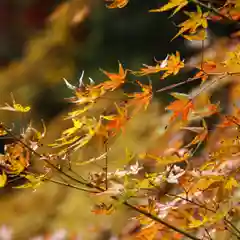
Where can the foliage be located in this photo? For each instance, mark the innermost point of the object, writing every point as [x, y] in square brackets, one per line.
[185, 196]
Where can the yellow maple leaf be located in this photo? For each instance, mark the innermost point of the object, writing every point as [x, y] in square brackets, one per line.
[195, 223]
[2, 131]
[199, 36]
[77, 124]
[233, 57]
[16, 107]
[231, 183]
[3, 179]
[178, 4]
[196, 20]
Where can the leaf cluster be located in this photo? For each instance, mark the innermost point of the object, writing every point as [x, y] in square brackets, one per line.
[185, 195]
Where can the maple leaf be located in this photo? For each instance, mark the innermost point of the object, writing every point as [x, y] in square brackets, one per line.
[33, 181]
[116, 79]
[231, 183]
[18, 157]
[172, 64]
[103, 209]
[148, 232]
[77, 124]
[195, 223]
[2, 131]
[178, 4]
[16, 107]
[196, 20]
[117, 121]
[207, 110]
[180, 107]
[147, 70]
[117, 3]
[208, 65]
[3, 179]
[199, 36]
[141, 99]
[233, 58]
[89, 126]
[201, 136]
[85, 96]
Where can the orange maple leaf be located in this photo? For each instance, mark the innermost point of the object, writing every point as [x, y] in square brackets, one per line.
[180, 107]
[117, 3]
[201, 74]
[172, 64]
[148, 70]
[141, 99]
[117, 122]
[196, 20]
[116, 79]
[208, 66]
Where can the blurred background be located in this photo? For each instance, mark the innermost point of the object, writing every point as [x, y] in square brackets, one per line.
[44, 41]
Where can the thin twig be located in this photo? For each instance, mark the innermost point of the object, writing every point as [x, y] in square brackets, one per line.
[70, 185]
[106, 163]
[208, 234]
[177, 84]
[233, 226]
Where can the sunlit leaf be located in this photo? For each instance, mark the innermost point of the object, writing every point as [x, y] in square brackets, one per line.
[3, 179]
[116, 79]
[178, 4]
[16, 107]
[142, 99]
[231, 183]
[199, 36]
[172, 66]
[196, 20]
[117, 122]
[33, 181]
[195, 223]
[69, 85]
[2, 131]
[180, 108]
[103, 209]
[77, 124]
[117, 3]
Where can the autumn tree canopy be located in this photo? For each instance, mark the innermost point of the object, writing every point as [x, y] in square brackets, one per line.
[183, 182]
